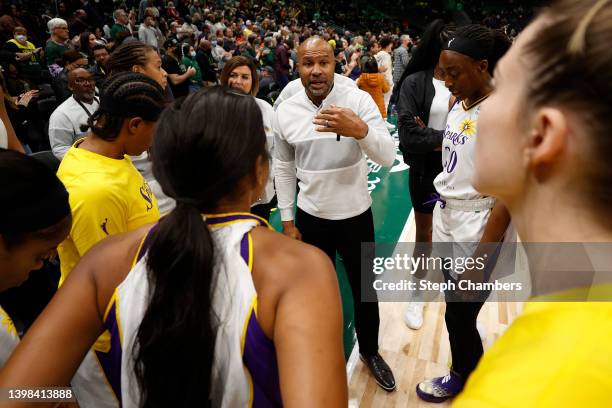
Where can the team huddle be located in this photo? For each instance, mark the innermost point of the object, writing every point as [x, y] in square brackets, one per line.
[202, 303]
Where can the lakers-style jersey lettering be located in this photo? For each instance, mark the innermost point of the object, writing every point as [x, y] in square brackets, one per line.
[455, 180]
[107, 196]
[245, 371]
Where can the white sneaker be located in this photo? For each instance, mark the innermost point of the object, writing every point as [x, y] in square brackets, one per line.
[482, 330]
[414, 315]
[390, 126]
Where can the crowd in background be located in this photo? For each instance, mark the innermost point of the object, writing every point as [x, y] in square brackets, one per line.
[44, 41]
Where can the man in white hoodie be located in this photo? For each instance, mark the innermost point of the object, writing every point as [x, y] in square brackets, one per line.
[322, 134]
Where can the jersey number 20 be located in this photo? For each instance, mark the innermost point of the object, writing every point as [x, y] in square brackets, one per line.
[451, 163]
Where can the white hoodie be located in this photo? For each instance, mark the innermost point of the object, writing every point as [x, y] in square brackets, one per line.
[332, 175]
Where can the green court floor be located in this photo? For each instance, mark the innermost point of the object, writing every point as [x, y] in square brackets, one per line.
[391, 207]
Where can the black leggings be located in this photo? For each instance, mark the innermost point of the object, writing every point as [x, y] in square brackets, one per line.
[463, 336]
[345, 237]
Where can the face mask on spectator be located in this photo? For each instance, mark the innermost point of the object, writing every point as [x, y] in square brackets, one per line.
[193, 54]
[21, 38]
[213, 43]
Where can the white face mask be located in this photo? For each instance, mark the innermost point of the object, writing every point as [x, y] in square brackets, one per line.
[193, 54]
[21, 38]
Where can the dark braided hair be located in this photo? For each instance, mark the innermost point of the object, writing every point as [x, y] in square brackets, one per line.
[132, 91]
[494, 42]
[124, 57]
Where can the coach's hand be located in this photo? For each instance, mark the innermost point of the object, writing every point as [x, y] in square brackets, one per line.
[342, 121]
[290, 230]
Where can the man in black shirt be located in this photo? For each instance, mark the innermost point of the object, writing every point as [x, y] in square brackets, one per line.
[178, 74]
[99, 68]
[206, 62]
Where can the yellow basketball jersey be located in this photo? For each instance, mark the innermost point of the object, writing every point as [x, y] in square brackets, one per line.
[107, 196]
[556, 354]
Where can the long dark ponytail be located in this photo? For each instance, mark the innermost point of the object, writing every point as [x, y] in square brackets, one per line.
[201, 154]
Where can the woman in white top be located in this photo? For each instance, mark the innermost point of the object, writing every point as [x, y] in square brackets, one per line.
[463, 216]
[423, 104]
[240, 73]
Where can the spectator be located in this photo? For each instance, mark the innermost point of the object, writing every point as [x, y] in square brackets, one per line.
[267, 84]
[142, 8]
[353, 69]
[66, 121]
[93, 18]
[188, 28]
[340, 61]
[371, 50]
[218, 53]
[78, 23]
[72, 59]
[195, 8]
[281, 64]
[229, 41]
[56, 46]
[148, 33]
[98, 70]
[189, 60]
[248, 30]
[250, 48]
[87, 42]
[178, 74]
[121, 23]
[171, 11]
[383, 58]
[401, 57]
[26, 55]
[206, 62]
[100, 36]
[374, 83]
[267, 57]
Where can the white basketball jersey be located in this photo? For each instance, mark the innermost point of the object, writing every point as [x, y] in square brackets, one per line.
[455, 180]
[244, 371]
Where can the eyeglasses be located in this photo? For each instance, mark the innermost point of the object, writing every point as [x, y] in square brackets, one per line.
[84, 81]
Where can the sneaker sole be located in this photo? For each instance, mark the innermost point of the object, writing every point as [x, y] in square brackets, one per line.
[430, 398]
[375, 379]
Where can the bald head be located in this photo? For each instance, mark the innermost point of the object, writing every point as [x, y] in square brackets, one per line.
[316, 66]
[317, 44]
[81, 84]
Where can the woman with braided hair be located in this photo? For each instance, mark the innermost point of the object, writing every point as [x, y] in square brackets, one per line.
[140, 58]
[466, 224]
[107, 194]
[144, 59]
